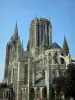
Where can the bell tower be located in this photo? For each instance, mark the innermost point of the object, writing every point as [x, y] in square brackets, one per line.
[39, 28]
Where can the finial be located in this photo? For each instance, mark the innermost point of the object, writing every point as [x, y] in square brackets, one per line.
[36, 16]
[16, 21]
[49, 18]
[22, 43]
[64, 36]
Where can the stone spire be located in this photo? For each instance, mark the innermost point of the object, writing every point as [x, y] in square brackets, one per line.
[15, 35]
[28, 46]
[36, 16]
[22, 43]
[65, 46]
[19, 43]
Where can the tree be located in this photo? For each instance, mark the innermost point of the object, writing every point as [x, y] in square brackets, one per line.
[66, 83]
[69, 83]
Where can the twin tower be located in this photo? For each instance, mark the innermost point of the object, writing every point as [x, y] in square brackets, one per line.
[40, 35]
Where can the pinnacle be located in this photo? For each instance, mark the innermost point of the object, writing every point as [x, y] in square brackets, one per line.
[16, 31]
[65, 46]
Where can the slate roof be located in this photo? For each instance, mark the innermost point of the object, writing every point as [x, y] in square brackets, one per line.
[54, 46]
[40, 82]
[27, 54]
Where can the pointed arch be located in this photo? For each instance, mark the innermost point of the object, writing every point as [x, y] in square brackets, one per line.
[56, 58]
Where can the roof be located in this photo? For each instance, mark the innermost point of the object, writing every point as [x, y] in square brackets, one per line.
[54, 46]
[40, 82]
[27, 54]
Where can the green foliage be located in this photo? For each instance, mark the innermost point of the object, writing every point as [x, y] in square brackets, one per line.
[66, 84]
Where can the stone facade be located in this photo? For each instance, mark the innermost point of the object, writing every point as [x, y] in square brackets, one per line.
[31, 73]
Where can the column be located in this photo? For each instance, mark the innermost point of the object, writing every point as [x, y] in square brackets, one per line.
[41, 92]
[22, 93]
[52, 58]
[35, 35]
[55, 95]
[34, 76]
[25, 93]
[50, 35]
[46, 30]
[48, 79]
[3, 95]
[29, 77]
[11, 75]
[10, 95]
[36, 93]
[59, 61]
[40, 33]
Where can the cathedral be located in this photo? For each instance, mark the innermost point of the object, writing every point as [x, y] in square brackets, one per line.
[30, 74]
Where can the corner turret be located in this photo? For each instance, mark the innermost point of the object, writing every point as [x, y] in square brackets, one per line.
[65, 47]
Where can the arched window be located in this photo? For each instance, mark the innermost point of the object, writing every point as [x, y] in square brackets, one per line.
[54, 73]
[50, 59]
[56, 58]
[62, 60]
[7, 94]
[62, 54]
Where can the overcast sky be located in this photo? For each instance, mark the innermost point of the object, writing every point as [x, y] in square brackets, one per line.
[61, 13]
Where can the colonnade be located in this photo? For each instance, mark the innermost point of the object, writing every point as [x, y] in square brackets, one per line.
[7, 95]
[36, 93]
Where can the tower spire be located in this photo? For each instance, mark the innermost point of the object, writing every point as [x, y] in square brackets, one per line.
[49, 18]
[65, 46]
[36, 16]
[22, 43]
[15, 35]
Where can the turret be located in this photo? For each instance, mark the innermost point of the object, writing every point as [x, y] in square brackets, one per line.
[15, 35]
[20, 50]
[65, 47]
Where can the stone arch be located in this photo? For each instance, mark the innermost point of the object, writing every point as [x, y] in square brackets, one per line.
[32, 93]
[44, 92]
[62, 61]
[38, 93]
[56, 58]
[54, 73]
[62, 54]
[49, 57]
[7, 94]
[43, 73]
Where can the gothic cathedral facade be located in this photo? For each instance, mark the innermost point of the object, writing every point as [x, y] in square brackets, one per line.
[30, 74]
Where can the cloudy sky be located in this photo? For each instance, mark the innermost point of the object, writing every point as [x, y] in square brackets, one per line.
[61, 13]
